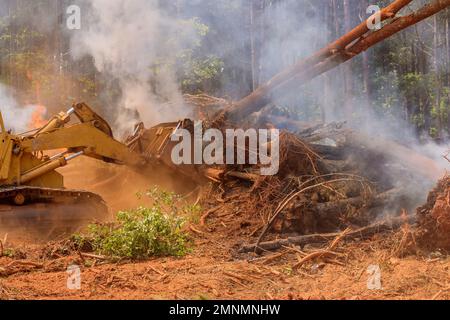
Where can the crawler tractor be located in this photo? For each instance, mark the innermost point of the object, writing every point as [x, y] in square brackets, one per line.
[32, 194]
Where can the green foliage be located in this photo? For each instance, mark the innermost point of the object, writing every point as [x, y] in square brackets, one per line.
[405, 77]
[144, 232]
[192, 65]
[14, 253]
[196, 71]
[10, 253]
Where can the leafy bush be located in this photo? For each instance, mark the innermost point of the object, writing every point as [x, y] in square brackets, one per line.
[144, 232]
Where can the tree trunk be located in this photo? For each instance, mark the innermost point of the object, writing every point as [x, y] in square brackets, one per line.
[252, 43]
[348, 94]
[438, 77]
[366, 71]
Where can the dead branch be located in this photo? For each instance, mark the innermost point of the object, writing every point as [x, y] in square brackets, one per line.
[243, 175]
[362, 233]
[271, 258]
[93, 256]
[24, 263]
[338, 239]
[157, 271]
[312, 256]
[193, 229]
[291, 197]
[206, 215]
[325, 252]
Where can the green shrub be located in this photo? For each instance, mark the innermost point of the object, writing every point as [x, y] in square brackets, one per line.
[144, 232]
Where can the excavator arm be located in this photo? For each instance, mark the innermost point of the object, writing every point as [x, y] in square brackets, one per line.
[83, 137]
[29, 178]
[92, 136]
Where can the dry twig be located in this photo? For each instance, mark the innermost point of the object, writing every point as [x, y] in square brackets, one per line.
[325, 252]
[93, 256]
[209, 212]
[193, 229]
[24, 263]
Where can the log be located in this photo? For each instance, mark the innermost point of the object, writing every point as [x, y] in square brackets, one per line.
[362, 233]
[398, 153]
[350, 140]
[334, 166]
[333, 208]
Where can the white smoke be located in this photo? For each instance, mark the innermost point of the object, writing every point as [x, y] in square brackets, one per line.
[136, 43]
[14, 117]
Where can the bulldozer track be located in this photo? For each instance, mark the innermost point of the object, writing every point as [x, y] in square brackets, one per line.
[49, 213]
[47, 194]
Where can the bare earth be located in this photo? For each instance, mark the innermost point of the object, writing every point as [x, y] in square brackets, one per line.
[212, 273]
[214, 269]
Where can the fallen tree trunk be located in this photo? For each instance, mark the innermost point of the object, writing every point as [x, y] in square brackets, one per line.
[351, 44]
[351, 140]
[333, 208]
[305, 217]
[362, 233]
[407, 157]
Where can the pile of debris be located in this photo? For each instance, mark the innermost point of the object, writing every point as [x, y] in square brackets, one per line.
[330, 179]
[354, 179]
[434, 218]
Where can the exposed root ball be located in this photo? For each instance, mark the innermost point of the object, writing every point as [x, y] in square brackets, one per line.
[296, 157]
[434, 218]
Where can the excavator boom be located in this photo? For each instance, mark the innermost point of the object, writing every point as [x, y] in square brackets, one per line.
[91, 136]
[32, 193]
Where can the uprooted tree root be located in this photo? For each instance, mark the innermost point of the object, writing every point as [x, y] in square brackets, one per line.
[433, 230]
[304, 198]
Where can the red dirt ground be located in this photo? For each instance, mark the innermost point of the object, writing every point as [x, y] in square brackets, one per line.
[214, 270]
[211, 272]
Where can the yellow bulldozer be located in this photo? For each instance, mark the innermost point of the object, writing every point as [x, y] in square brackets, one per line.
[32, 194]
